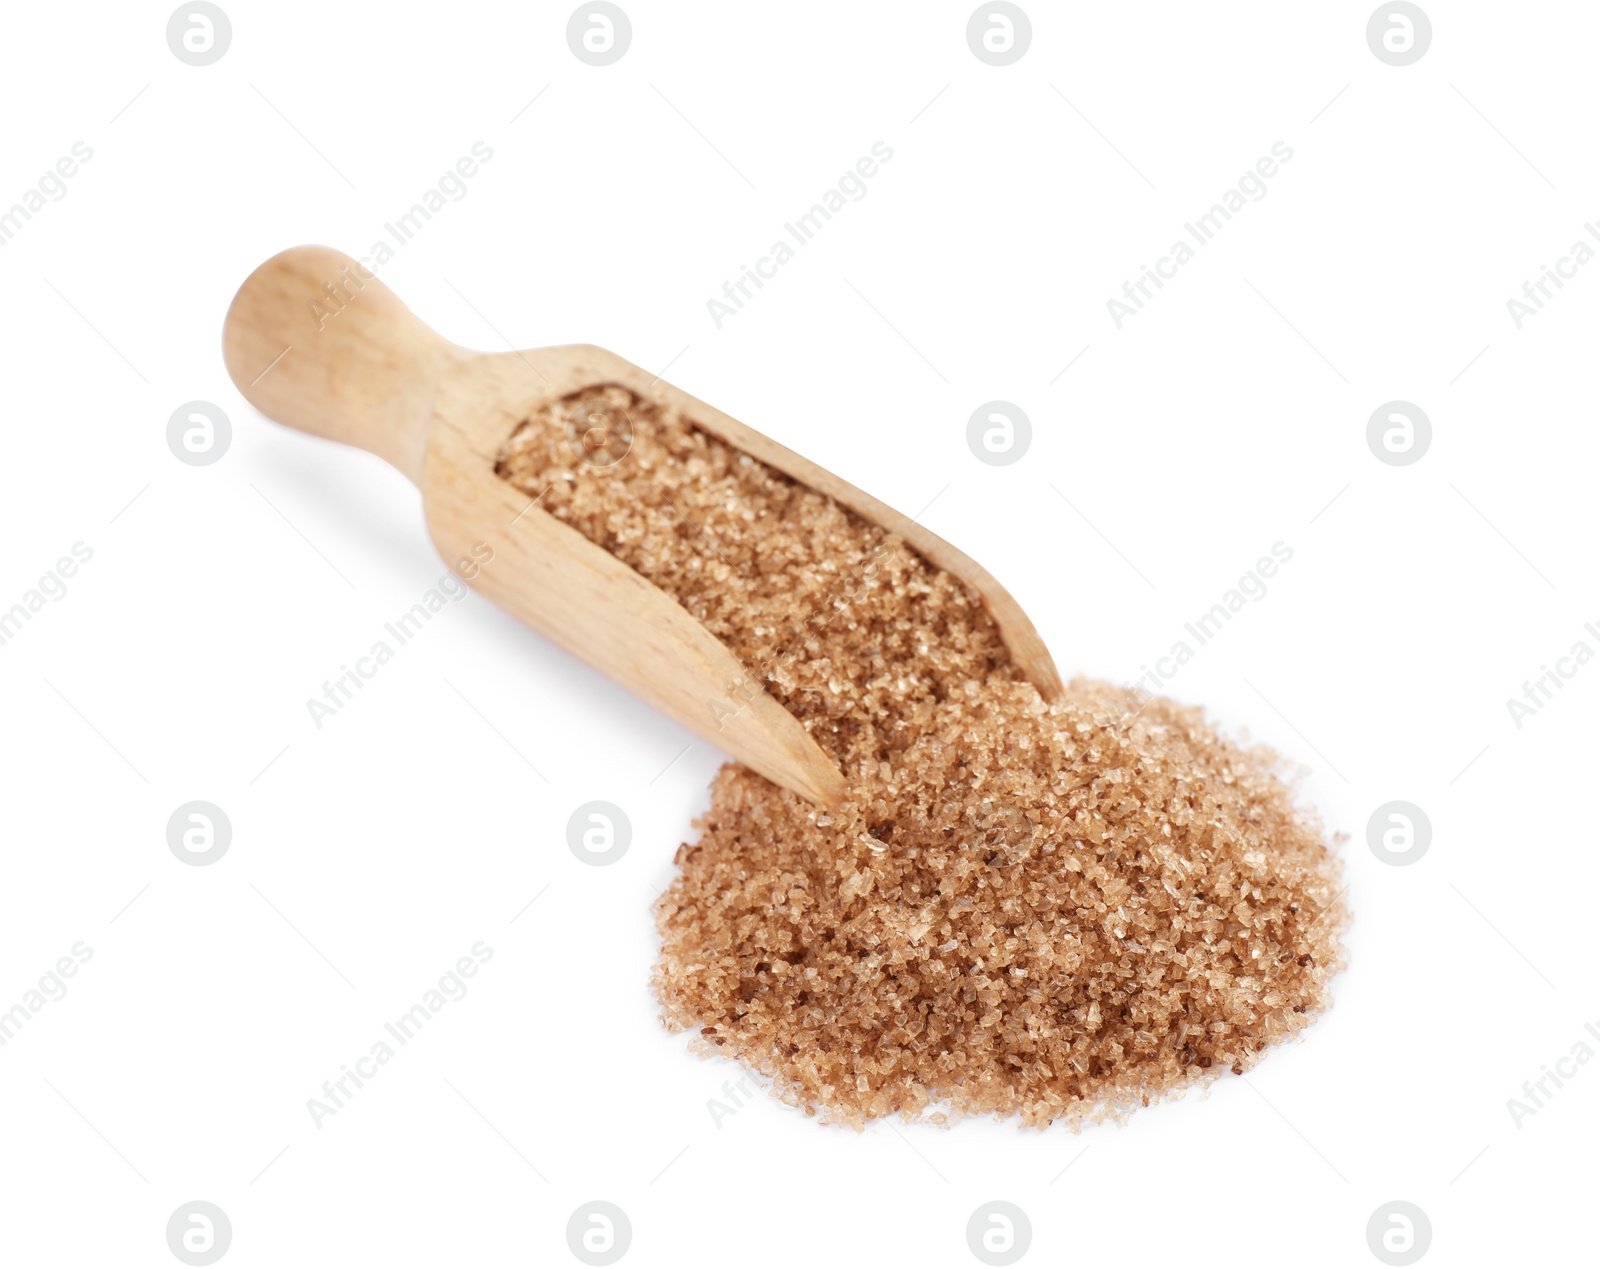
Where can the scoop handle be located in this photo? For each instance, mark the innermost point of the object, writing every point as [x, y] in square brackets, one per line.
[314, 340]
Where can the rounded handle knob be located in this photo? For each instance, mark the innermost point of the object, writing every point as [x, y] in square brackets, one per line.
[315, 341]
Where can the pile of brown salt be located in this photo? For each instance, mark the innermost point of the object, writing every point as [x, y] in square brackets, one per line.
[1050, 911]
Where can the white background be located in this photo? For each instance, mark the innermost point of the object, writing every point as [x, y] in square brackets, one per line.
[1230, 414]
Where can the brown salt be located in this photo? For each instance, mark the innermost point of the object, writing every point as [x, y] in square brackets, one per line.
[1020, 909]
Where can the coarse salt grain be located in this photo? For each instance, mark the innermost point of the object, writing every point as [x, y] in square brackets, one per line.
[1065, 985]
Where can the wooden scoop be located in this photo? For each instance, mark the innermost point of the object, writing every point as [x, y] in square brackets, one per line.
[315, 341]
